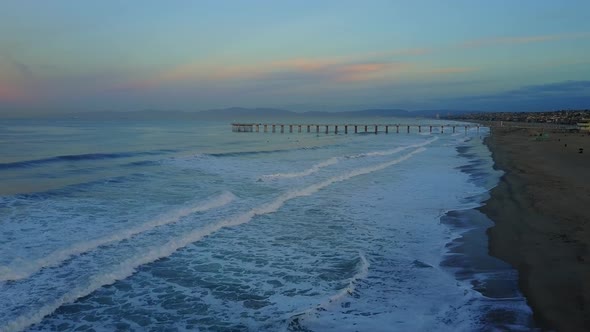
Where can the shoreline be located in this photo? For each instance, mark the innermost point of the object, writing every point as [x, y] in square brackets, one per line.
[540, 209]
[502, 305]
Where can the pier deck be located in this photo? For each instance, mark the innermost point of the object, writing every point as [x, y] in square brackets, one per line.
[348, 128]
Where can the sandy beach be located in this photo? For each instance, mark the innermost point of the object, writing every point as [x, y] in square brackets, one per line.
[541, 211]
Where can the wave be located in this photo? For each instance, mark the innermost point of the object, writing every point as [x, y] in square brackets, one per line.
[24, 270]
[80, 157]
[313, 169]
[128, 267]
[71, 189]
[142, 163]
[256, 152]
[297, 319]
[334, 160]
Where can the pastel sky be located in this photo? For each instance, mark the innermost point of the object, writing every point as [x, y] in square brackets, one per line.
[65, 56]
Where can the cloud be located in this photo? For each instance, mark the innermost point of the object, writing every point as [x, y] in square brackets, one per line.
[16, 69]
[14, 77]
[562, 89]
[348, 76]
[449, 70]
[24, 70]
[342, 72]
[344, 68]
[557, 95]
[521, 40]
[352, 67]
[9, 93]
[298, 70]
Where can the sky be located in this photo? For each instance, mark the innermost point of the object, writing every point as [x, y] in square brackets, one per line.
[76, 56]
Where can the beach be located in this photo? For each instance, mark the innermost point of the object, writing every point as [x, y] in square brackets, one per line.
[542, 221]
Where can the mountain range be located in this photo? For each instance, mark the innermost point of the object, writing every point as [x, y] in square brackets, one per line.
[258, 114]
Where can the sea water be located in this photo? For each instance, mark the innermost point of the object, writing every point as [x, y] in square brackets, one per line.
[176, 226]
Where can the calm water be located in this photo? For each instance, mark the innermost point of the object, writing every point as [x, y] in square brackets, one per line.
[188, 226]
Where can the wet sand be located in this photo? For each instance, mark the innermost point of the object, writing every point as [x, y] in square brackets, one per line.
[541, 211]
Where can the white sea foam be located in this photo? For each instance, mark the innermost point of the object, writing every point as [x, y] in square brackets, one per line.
[129, 266]
[340, 297]
[313, 169]
[334, 160]
[25, 269]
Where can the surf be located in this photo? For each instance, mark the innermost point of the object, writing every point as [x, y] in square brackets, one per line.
[128, 267]
[22, 270]
[335, 160]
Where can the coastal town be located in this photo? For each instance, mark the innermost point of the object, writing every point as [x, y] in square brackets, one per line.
[563, 117]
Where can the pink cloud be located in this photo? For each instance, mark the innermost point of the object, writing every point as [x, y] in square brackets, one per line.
[304, 64]
[9, 93]
[348, 67]
[371, 71]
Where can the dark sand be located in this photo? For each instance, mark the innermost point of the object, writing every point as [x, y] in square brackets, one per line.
[541, 211]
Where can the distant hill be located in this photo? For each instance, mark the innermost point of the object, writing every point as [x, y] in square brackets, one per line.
[384, 113]
[239, 112]
[253, 114]
[262, 113]
[361, 113]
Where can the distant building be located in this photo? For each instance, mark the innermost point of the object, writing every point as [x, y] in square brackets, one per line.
[584, 125]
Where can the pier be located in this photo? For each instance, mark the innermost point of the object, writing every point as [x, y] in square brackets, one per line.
[349, 128]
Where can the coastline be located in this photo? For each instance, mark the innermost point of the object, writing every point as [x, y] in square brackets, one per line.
[540, 210]
[501, 306]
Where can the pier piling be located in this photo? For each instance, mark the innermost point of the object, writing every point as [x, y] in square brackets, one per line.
[256, 127]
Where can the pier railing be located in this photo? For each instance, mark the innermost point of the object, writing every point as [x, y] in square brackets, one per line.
[348, 128]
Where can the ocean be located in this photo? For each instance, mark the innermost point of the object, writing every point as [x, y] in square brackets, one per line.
[182, 226]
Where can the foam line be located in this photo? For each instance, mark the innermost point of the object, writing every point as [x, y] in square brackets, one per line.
[334, 160]
[26, 269]
[362, 273]
[396, 150]
[338, 298]
[313, 169]
[128, 267]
